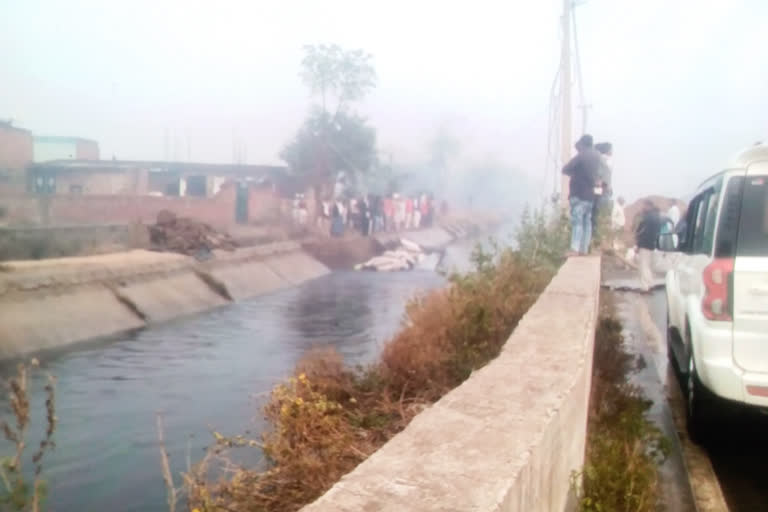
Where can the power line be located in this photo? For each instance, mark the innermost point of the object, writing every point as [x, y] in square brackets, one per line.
[560, 108]
[579, 77]
[550, 160]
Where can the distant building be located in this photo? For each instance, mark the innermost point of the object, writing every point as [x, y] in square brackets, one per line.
[15, 155]
[47, 148]
[125, 177]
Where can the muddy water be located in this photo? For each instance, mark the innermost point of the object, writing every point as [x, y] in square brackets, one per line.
[208, 371]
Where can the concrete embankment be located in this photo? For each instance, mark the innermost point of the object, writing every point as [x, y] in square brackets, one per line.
[47, 304]
[510, 436]
[51, 303]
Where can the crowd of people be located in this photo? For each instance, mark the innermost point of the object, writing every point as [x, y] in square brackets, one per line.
[591, 197]
[371, 214]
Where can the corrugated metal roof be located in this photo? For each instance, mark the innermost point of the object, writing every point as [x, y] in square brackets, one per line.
[155, 166]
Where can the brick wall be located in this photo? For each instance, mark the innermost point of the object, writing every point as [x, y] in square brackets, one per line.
[87, 150]
[19, 210]
[218, 210]
[99, 183]
[93, 209]
[68, 210]
[15, 148]
[263, 204]
[64, 210]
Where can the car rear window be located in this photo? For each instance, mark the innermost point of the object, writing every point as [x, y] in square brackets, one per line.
[743, 229]
[753, 226]
[728, 230]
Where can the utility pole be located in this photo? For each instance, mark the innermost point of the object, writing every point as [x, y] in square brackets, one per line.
[584, 116]
[565, 93]
[167, 154]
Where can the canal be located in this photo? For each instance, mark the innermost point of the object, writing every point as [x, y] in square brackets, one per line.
[211, 371]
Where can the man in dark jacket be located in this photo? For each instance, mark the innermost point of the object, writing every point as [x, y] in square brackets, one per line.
[583, 170]
[646, 237]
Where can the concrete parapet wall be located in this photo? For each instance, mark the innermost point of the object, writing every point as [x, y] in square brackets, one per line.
[510, 436]
[51, 303]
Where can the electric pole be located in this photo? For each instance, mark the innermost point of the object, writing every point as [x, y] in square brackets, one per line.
[167, 141]
[584, 116]
[565, 93]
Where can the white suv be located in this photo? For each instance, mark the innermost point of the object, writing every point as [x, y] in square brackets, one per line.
[717, 292]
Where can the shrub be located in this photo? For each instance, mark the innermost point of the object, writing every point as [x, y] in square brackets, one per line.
[544, 236]
[15, 491]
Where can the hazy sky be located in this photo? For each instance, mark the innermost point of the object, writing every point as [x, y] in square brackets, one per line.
[677, 85]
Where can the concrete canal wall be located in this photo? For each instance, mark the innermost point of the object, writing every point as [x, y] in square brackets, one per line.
[508, 438]
[46, 304]
[51, 303]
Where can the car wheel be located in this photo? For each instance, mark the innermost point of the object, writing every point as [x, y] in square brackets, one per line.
[701, 405]
[670, 349]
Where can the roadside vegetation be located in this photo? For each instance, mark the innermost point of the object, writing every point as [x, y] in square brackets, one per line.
[21, 485]
[624, 448]
[327, 418]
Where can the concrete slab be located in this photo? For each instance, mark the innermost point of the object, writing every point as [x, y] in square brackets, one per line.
[171, 296]
[47, 321]
[296, 267]
[248, 279]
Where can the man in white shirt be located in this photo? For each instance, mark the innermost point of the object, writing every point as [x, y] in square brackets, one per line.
[618, 222]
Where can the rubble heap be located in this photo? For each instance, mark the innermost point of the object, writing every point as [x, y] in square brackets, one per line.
[187, 236]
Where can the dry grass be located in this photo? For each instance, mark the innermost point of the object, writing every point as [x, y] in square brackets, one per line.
[15, 491]
[328, 418]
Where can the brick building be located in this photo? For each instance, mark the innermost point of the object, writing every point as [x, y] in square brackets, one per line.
[78, 192]
[16, 152]
[48, 148]
[128, 177]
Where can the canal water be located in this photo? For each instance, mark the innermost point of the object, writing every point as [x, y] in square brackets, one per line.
[210, 371]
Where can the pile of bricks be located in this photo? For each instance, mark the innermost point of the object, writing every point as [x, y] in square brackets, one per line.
[186, 236]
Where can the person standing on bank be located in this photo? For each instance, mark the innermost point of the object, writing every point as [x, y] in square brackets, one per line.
[618, 221]
[365, 216]
[603, 199]
[646, 236]
[583, 170]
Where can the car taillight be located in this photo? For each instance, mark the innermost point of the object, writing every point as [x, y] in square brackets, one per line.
[716, 303]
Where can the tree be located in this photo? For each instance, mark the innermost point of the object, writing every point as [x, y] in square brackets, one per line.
[327, 144]
[330, 71]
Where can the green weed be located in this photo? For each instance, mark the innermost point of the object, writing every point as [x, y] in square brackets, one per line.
[624, 448]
